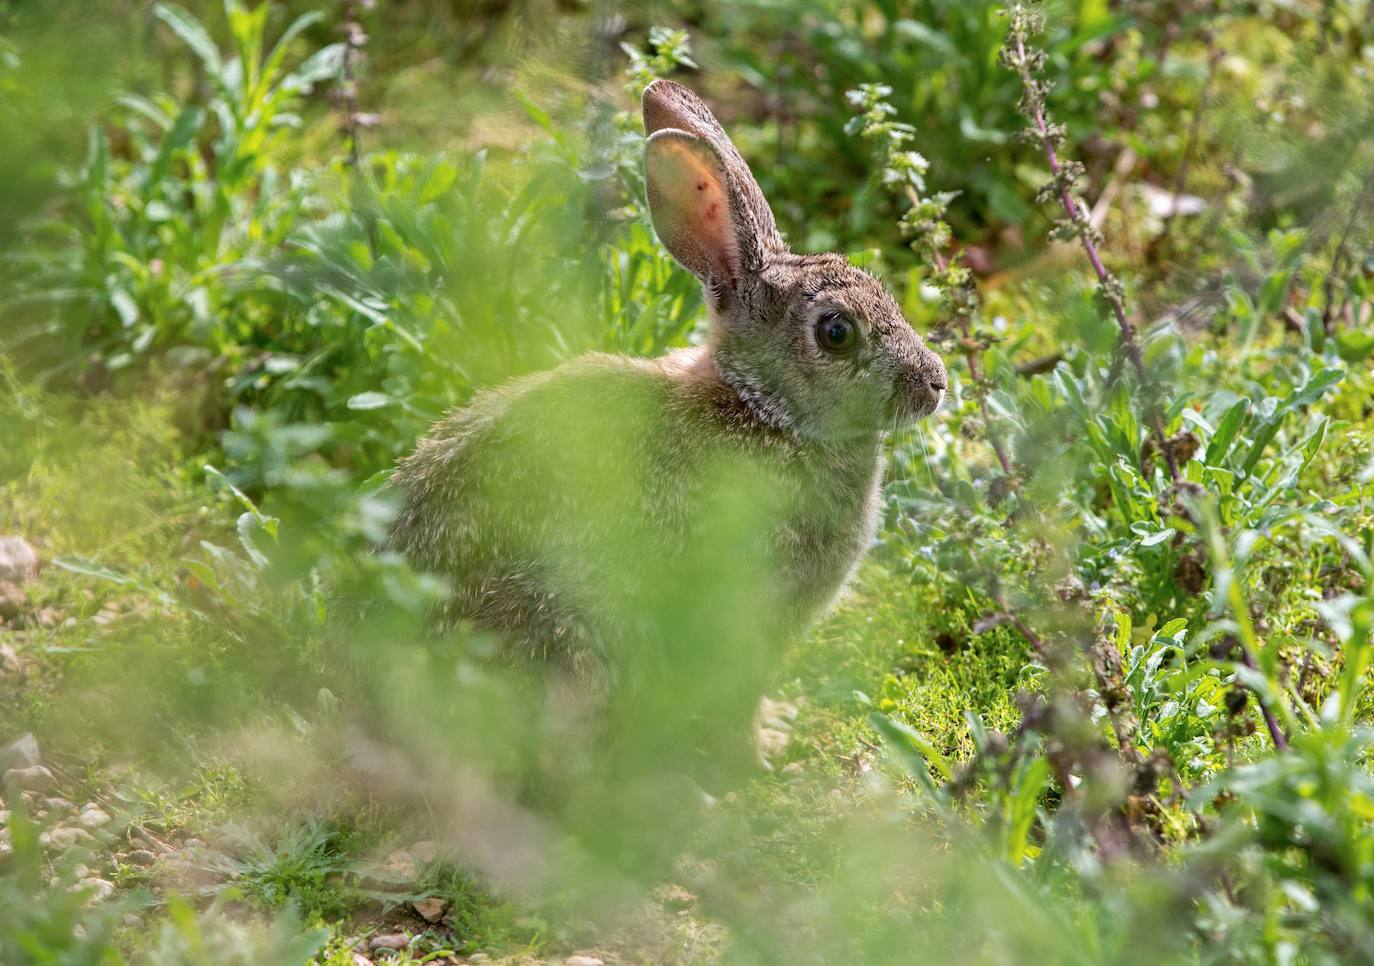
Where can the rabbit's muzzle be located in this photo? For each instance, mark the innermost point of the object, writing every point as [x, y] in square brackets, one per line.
[920, 387]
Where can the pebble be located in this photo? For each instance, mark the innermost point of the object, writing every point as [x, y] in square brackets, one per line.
[430, 910]
[583, 961]
[18, 560]
[360, 960]
[63, 837]
[405, 864]
[391, 940]
[59, 805]
[34, 778]
[772, 742]
[101, 889]
[92, 817]
[477, 958]
[9, 658]
[141, 857]
[22, 752]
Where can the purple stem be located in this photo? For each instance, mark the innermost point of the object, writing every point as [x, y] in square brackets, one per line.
[1103, 277]
[1275, 732]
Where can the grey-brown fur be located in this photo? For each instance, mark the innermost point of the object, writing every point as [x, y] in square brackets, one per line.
[638, 521]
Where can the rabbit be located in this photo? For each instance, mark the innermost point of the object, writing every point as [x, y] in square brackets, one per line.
[654, 532]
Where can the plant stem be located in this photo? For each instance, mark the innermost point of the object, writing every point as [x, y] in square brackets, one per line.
[970, 350]
[1275, 732]
[1107, 282]
[354, 38]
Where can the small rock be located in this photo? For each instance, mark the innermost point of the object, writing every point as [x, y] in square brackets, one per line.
[9, 658]
[430, 910]
[360, 960]
[63, 837]
[141, 857]
[395, 941]
[771, 742]
[132, 920]
[101, 889]
[49, 617]
[583, 961]
[58, 805]
[92, 816]
[106, 616]
[18, 560]
[477, 958]
[404, 864]
[776, 714]
[34, 778]
[20, 753]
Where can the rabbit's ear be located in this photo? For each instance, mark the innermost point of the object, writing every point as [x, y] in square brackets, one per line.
[689, 198]
[705, 203]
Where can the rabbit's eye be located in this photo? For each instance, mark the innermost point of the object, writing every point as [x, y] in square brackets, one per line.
[836, 332]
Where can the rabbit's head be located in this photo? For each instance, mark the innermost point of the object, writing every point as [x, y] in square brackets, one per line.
[813, 345]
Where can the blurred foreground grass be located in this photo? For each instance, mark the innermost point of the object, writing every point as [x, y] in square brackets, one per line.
[219, 334]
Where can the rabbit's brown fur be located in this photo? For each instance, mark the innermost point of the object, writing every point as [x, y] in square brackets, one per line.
[635, 520]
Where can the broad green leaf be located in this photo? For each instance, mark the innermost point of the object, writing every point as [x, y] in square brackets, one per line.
[1227, 429]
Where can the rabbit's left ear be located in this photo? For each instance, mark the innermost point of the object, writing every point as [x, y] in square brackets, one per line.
[707, 207]
[689, 198]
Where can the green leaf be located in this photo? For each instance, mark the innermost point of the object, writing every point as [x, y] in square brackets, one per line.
[1354, 345]
[369, 400]
[913, 749]
[180, 137]
[1230, 425]
[88, 568]
[1030, 782]
[267, 523]
[1314, 388]
[1151, 534]
[244, 529]
[188, 28]
[278, 52]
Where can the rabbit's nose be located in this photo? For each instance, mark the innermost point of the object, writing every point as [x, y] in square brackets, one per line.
[936, 379]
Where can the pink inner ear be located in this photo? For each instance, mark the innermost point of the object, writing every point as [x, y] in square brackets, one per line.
[691, 208]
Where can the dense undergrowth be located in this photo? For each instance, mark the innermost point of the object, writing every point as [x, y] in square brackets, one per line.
[1099, 694]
